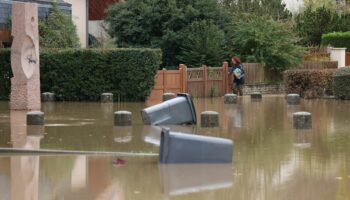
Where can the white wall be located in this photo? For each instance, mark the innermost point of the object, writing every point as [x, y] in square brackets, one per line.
[79, 16]
[96, 29]
[293, 5]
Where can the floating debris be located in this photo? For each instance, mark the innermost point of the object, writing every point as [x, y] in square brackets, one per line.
[119, 162]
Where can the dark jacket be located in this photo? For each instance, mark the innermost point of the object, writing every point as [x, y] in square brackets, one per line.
[240, 79]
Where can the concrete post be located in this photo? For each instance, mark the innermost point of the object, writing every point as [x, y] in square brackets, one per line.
[230, 99]
[35, 118]
[293, 99]
[106, 97]
[302, 120]
[47, 97]
[122, 118]
[256, 95]
[168, 95]
[209, 119]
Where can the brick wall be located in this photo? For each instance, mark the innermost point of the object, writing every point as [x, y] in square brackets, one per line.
[43, 9]
[97, 8]
[263, 88]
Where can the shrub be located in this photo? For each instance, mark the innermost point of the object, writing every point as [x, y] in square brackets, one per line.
[337, 39]
[160, 24]
[257, 39]
[312, 23]
[309, 83]
[275, 9]
[82, 75]
[57, 30]
[203, 45]
[5, 74]
[341, 78]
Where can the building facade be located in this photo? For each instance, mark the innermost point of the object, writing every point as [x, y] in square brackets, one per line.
[43, 10]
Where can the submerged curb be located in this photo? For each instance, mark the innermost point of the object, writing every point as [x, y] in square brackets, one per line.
[15, 151]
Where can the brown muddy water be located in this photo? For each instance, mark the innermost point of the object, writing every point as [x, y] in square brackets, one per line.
[271, 160]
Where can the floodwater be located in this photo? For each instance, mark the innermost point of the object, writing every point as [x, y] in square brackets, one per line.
[271, 160]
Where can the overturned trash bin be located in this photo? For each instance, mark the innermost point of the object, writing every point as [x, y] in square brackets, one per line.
[179, 110]
[186, 148]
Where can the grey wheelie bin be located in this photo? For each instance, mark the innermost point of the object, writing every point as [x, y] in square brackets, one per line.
[187, 148]
[179, 110]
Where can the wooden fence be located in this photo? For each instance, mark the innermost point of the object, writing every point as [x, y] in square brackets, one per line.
[347, 59]
[174, 81]
[319, 65]
[204, 81]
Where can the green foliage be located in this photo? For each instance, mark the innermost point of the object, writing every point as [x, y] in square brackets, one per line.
[275, 9]
[257, 39]
[203, 45]
[161, 24]
[309, 83]
[58, 30]
[332, 4]
[341, 80]
[5, 74]
[312, 23]
[337, 39]
[82, 75]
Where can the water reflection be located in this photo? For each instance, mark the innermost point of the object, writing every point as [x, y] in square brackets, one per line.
[152, 134]
[122, 134]
[235, 112]
[272, 161]
[24, 169]
[302, 138]
[180, 179]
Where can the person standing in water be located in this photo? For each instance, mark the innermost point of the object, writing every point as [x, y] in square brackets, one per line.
[238, 76]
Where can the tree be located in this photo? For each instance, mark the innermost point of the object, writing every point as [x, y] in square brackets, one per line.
[57, 30]
[258, 39]
[203, 45]
[160, 23]
[312, 23]
[274, 9]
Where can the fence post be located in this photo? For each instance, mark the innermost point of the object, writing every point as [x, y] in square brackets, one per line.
[183, 77]
[205, 79]
[225, 77]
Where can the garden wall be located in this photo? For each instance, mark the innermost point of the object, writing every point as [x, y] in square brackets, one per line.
[263, 88]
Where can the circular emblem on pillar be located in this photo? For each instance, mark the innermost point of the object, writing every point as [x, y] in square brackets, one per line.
[29, 57]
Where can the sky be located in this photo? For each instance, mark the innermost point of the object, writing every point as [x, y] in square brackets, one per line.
[293, 5]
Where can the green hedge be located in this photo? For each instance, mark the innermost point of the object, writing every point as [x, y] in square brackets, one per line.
[5, 73]
[341, 79]
[337, 39]
[311, 83]
[83, 74]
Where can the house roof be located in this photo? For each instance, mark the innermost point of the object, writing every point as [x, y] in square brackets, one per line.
[97, 8]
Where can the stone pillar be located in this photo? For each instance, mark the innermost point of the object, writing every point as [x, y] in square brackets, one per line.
[302, 120]
[230, 99]
[47, 97]
[209, 119]
[106, 97]
[293, 99]
[25, 84]
[122, 118]
[35, 118]
[256, 95]
[168, 95]
[339, 54]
